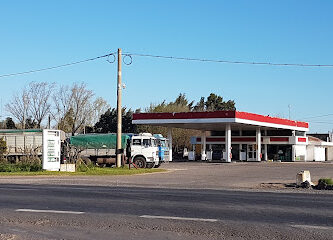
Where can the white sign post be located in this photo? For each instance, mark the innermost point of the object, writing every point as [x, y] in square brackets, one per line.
[51, 150]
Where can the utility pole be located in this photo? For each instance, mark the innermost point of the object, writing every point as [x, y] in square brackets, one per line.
[119, 112]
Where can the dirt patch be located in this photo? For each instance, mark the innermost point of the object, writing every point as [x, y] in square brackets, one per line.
[7, 236]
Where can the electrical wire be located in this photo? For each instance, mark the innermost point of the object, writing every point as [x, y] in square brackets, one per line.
[321, 122]
[58, 66]
[319, 116]
[129, 55]
[227, 61]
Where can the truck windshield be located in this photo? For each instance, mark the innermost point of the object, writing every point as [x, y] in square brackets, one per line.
[162, 142]
[146, 142]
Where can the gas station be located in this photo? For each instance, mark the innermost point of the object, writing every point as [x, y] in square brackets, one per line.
[235, 136]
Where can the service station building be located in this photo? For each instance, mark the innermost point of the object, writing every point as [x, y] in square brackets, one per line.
[241, 136]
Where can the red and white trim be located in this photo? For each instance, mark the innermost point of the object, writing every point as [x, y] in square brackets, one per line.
[219, 117]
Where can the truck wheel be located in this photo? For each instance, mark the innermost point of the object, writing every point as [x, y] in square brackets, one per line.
[150, 165]
[140, 162]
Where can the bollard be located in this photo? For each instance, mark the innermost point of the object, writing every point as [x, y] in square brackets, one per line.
[303, 176]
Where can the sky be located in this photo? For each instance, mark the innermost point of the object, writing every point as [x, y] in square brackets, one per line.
[37, 34]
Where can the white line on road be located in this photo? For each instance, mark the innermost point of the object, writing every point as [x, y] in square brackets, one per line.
[180, 218]
[313, 227]
[18, 189]
[47, 211]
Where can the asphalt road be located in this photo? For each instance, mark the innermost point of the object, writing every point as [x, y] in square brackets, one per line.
[100, 212]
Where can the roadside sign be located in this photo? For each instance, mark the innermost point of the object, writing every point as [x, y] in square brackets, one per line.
[51, 150]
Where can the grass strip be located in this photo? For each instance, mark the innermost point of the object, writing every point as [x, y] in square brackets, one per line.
[89, 171]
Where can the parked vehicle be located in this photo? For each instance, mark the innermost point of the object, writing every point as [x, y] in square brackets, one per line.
[101, 148]
[27, 143]
[163, 147]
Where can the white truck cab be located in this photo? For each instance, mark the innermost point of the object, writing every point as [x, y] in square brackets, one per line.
[144, 150]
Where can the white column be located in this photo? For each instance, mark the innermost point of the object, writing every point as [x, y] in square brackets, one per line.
[258, 141]
[228, 142]
[203, 145]
[293, 153]
[265, 147]
[266, 154]
[170, 143]
[240, 145]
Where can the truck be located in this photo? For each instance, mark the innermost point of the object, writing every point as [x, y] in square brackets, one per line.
[26, 143]
[163, 147]
[141, 148]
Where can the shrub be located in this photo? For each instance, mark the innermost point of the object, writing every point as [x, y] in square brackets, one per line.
[3, 147]
[81, 166]
[20, 167]
[328, 181]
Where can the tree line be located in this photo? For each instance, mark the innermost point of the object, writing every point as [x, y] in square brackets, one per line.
[75, 109]
[70, 108]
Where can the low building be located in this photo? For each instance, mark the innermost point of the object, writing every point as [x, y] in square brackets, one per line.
[319, 150]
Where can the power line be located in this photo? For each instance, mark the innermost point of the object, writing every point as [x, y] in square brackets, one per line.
[58, 66]
[129, 54]
[227, 61]
[319, 116]
[321, 122]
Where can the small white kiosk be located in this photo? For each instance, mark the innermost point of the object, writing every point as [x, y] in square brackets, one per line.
[51, 150]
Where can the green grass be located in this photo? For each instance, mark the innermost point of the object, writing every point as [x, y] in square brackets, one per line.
[88, 171]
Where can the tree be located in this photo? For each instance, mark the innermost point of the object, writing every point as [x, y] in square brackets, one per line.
[19, 106]
[10, 123]
[108, 122]
[75, 100]
[66, 122]
[62, 103]
[100, 106]
[81, 105]
[39, 107]
[30, 123]
[200, 106]
[214, 103]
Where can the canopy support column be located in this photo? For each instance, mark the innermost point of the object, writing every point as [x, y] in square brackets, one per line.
[266, 151]
[203, 147]
[170, 143]
[293, 150]
[266, 154]
[258, 141]
[228, 142]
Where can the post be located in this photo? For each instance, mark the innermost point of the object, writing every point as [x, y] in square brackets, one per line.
[119, 111]
[293, 153]
[266, 147]
[203, 146]
[266, 154]
[170, 143]
[258, 150]
[228, 142]
[240, 145]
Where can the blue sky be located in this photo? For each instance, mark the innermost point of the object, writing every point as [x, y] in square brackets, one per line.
[37, 34]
